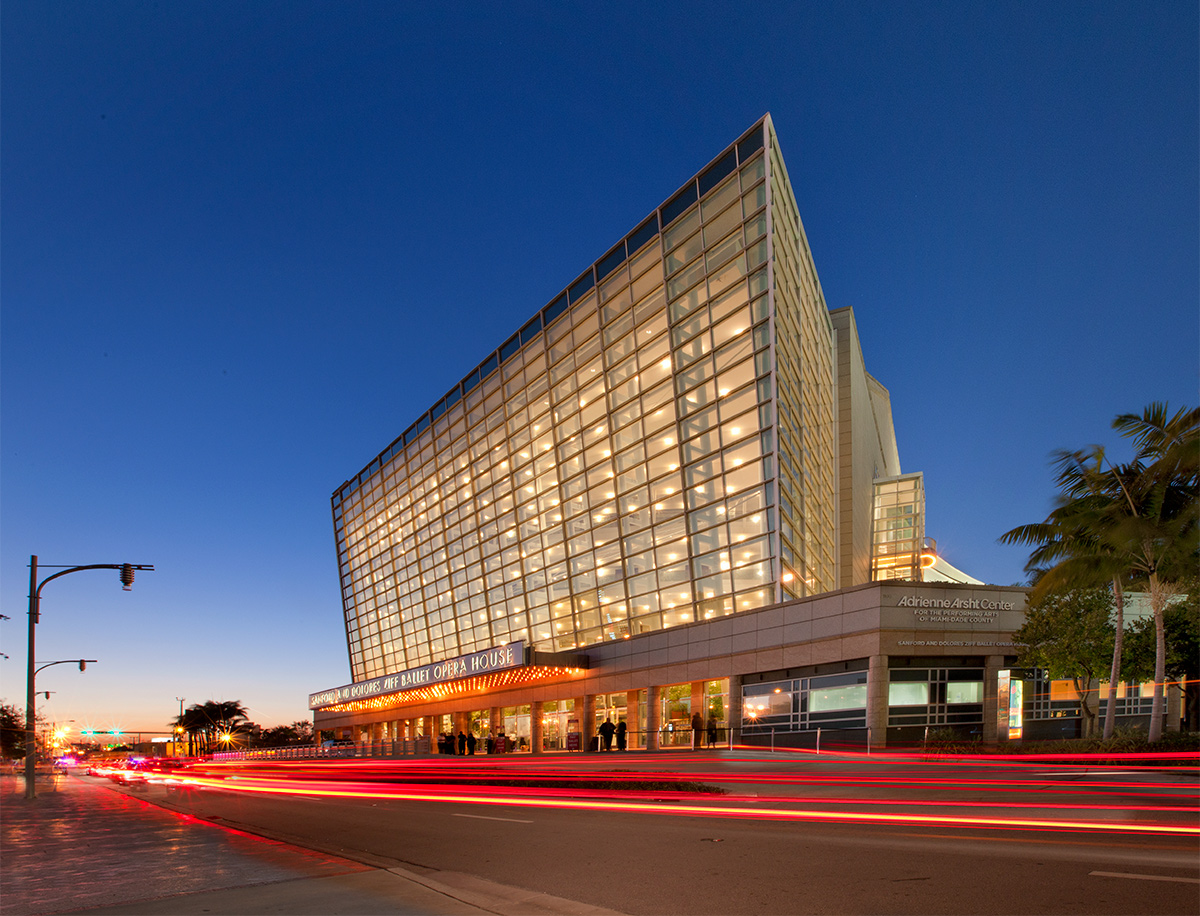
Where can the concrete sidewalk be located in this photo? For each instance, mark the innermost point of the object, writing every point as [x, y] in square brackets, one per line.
[83, 846]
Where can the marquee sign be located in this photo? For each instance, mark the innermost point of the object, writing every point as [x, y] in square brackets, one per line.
[494, 659]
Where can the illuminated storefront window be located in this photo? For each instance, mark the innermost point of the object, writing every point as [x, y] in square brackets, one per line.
[835, 701]
[935, 696]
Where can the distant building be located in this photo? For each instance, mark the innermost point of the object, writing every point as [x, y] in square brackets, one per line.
[674, 489]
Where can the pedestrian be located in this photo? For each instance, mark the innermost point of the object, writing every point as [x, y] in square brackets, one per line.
[462, 745]
[712, 731]
[471, 743]
[490, 745]
[697, 728]
[621, 729]
[606, 734]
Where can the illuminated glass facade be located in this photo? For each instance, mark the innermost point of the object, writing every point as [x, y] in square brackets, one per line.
[655, 447]
[899, 529]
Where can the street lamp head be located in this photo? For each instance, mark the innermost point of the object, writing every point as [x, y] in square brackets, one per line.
[127, 576]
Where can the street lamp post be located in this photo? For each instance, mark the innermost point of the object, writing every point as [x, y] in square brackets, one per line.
[35, 597]
[179, 728]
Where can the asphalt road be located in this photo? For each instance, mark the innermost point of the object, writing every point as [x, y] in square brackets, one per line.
[1102, 845]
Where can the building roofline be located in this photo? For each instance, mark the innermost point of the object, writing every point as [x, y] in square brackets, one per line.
[646, 229]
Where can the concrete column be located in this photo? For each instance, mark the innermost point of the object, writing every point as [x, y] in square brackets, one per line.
[1173, 697]
[877, 700]
[734, 715]
[535, 727]
[991, 697]
[653, 703]
[697, 706]
[631, 720]
[494, 720]
[586, 707]
[428, 727]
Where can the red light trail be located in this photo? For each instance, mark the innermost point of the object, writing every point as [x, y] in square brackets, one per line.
[436, 781]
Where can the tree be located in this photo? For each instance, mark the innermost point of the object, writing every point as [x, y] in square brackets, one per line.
[1070, 634]
[1162, 528]
[1181, 627]
[12, 732]
[1070, 551]
[295, 735]
[1136, 521]
[204, 723]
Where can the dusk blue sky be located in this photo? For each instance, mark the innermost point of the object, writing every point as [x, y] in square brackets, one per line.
[244, 245]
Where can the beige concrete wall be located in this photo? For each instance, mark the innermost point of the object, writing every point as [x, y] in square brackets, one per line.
[867, 449]
[866, 621]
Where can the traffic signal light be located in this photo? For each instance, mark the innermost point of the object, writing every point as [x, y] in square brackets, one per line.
[127, 576]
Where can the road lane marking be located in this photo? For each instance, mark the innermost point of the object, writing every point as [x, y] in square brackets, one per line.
[481, 817]
[1087, 773]
[1122, 874]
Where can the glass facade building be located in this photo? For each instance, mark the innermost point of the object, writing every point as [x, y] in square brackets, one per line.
[672, 501]
[655, 446]
[673, 495]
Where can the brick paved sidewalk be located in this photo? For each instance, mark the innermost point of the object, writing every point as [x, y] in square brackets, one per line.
[83, 846]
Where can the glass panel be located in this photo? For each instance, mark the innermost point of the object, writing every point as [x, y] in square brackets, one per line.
[720, 199]
[908, 694]
[678, 204]
[644, 233]
[964, 692]
[721, 226]
[825, 699]
[682, 230]
[684, 253]
[718, 170]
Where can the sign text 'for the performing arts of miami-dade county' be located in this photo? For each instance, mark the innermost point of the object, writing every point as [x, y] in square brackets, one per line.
[955, 610]
[495, 659]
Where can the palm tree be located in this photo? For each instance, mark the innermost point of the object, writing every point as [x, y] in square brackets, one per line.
[1162, 528]
[1137, 520]
[204, 722]
[1069, 553]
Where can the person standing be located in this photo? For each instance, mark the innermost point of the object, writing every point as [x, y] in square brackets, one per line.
[462, 745]
[697, 728]
[621, 730]
[471, 744]
[712, 731]
[606, 734]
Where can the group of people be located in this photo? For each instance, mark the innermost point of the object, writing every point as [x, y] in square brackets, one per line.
[608, 731]
[463, 745]
[466, 742]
